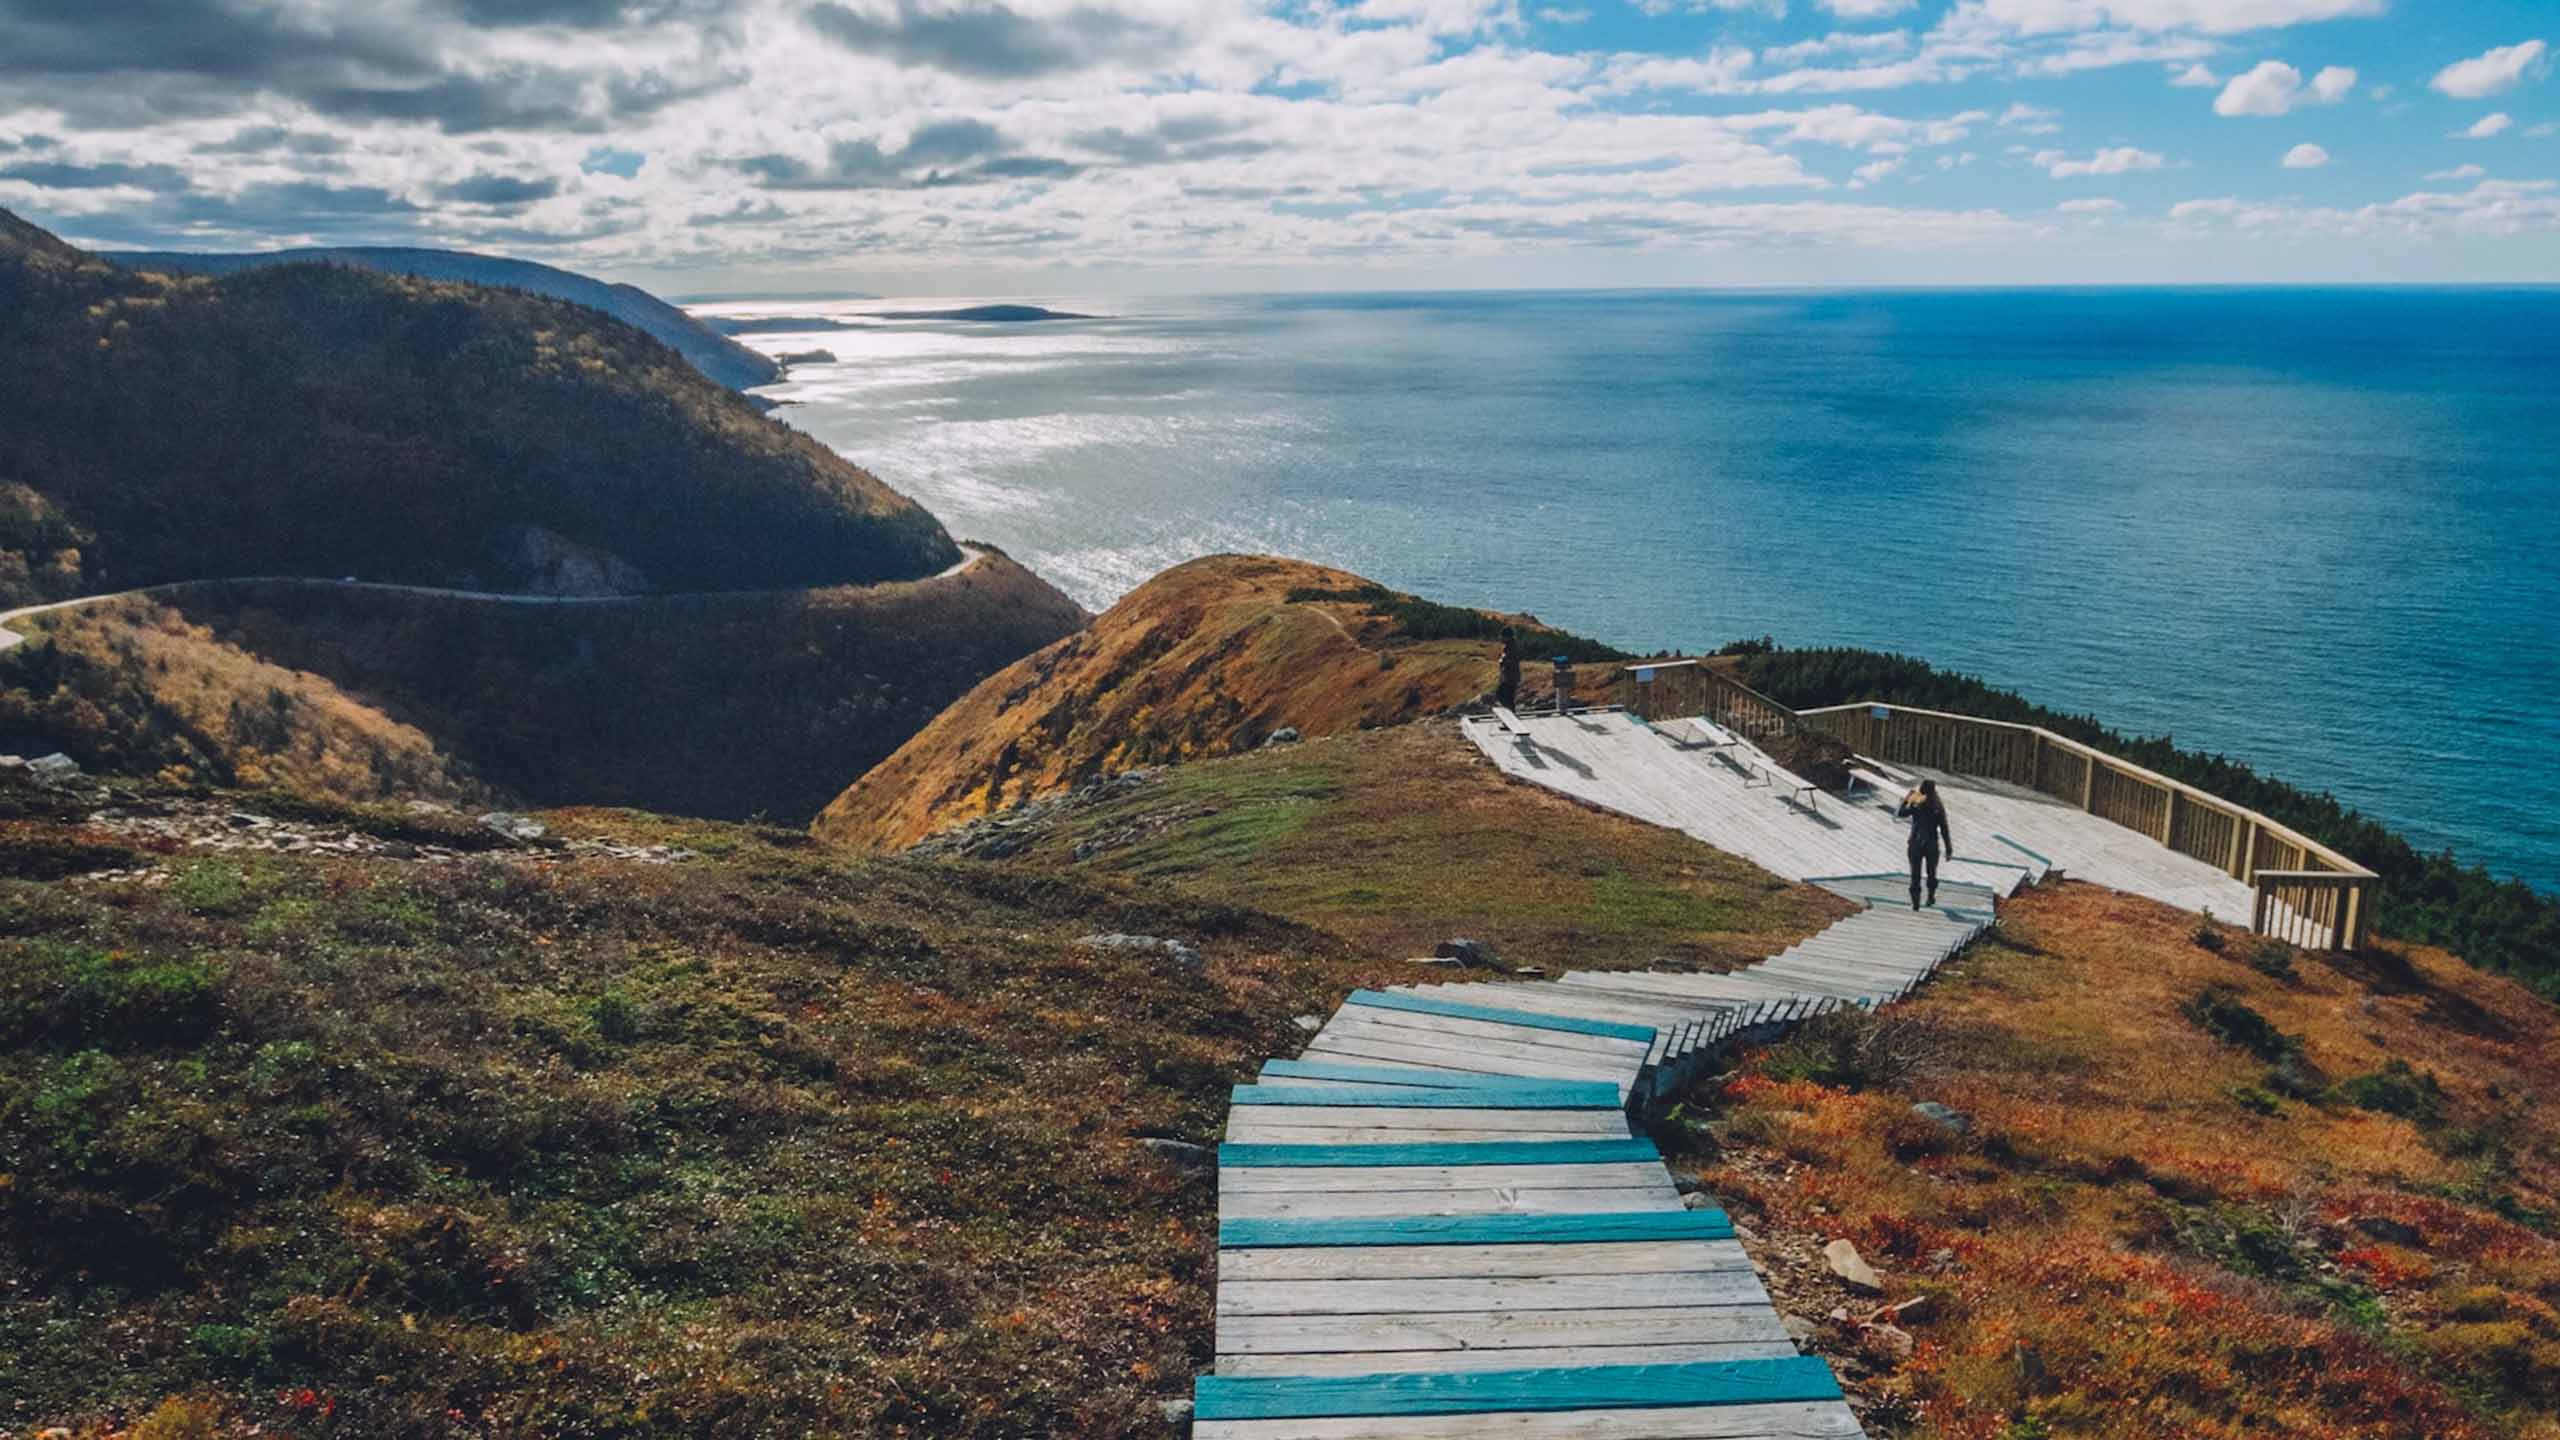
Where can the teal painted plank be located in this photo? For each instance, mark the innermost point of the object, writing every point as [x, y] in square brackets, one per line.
[1380, 1075]
[1475, 1229]
[1560, 1095]
[1459, 1010]
[1599, 1387]
[1489, 1152]
[2045, 861]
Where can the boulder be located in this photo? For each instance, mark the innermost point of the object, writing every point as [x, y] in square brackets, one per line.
[1853, 1270]
[56, 769]
[1181, 954]
[1946, 1118]
[1473, 953]
[1181, 1152]
[523, 829]
[1285, 735]
[1696, 1200]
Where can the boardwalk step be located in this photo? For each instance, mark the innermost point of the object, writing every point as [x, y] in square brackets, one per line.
[1285, 1070]
[1487, 1152]
[1548, 1095]
[1565, 1229]
[1527, 1019]
[1597, 1387]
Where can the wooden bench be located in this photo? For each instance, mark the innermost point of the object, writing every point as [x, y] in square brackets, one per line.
[1511, 723]
[1787, 786]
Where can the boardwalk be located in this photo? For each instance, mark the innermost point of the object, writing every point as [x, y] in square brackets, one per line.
[1437, 1221]
[1669, 775]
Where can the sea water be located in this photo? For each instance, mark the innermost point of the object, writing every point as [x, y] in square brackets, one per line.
[2317, 530]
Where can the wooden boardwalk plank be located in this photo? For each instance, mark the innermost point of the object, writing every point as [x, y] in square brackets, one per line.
[1535, 1020]
[1591, 1095]
[1538, 1152]
[1498, 1329]
[1438, 1177]
[1506, 1292]
[1491, 1230]
[1294, 1070]
[1376, 1362]
[1731, 1382]
[1462, 1200]
[1818, 1420]
[1482, 1262]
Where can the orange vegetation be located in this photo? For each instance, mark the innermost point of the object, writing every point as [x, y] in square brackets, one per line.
[1205, 659]
[2168, 1223]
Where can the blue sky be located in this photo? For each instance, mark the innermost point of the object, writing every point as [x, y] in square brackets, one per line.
[1075, 146]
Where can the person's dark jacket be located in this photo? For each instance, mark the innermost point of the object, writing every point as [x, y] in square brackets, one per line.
[1928, 819]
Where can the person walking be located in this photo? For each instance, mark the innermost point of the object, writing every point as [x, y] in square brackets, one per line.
[1928, 816]
[1506, 692]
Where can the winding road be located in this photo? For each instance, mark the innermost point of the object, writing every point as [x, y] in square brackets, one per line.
[10, 639]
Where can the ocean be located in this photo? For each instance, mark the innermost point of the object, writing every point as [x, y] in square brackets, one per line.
[2316, 530]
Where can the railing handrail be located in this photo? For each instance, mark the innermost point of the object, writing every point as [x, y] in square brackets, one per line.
[2087, 751]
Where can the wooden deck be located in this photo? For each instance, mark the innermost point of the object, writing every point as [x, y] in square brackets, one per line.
[2005, 834]
[1437, 1221]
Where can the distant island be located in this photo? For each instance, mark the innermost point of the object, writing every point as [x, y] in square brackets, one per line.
[999, 314]
[773, 324]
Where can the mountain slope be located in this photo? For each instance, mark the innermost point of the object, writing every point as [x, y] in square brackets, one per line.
[726, 705]
[1207, 658]
[714, 354]
[323, 420]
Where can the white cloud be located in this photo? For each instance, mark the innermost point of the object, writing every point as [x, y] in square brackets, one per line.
[2544, 131]
[1555, 15]
[2492, 73]
[2275, 88]
[2030, 119]
[1859, 44]
[2120, 160]
[2090, 205]
[2493, 123]
[2208, 17]
[1866, 9]
[2305, 156]
[1871, 172]
[2459, 172]
[2501, 207]
[2195, 77]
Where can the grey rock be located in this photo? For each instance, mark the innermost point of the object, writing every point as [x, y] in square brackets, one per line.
[243, 820]
[1285, 735]
[1944, 1117]
[514, 826]
[1852, 1268]
[1697, 1200]
[1181, 1152]
[1181, 954]
[1308, 1023]
[1177, 1413]
[54, 769]
[1466, 952]
[1799, 1329]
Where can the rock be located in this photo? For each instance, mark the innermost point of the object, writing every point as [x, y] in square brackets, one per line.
[1890, 1341]
[1845, 1262]
[1308, 1023]
[523, 828]
[1181, 1152]
[1285, 735]
[806, 357]
[1697, 1201]
[243, 820]
[1942, 1258]
[1473, 953]
[1799, 1329]
[1181, 954]
[1918, 1307]
[1951, 1120]
[55, 769]
[1177, 1413]
[2388, 1230]
[428, 807]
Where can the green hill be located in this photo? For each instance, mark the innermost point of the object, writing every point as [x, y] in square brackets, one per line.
[326, 420]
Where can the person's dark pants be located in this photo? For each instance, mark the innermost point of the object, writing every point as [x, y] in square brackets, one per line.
[1924, 860]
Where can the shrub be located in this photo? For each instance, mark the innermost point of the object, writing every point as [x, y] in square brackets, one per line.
[2395, 1089]
[1860, 1050]
[2219, 1011]
[2208, 935]
[2272, 958]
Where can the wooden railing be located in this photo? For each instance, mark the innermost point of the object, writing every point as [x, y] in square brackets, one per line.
[1674, 689]
[2307, 893]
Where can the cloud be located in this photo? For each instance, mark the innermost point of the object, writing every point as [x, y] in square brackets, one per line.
[2493, 73]
[498, 190]
[2543, 131]
[2459, 172]
[2090, 205]
[2207, 17]
[2493, 123]
[2196, 76]
[1871, 172]
[2030, 119]
[1864, 44]
[1556, 15]
[2120, 160]
[991, 41]
[63, 175]
[2305, 156]
[2275, 88]
[1866, 9]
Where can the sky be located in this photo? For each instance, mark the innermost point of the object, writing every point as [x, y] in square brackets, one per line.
[1048, 147]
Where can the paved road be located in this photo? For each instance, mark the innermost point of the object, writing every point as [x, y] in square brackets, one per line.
[11, 639]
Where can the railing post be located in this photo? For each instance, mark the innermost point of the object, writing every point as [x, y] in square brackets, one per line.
[2169, 823]
[2089, 781]
[2258, 920]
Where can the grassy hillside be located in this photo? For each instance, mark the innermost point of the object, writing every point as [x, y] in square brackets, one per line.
[723, 360]
[324, 420]
[726, 705]
[2207, 1192]
[2505, 926]
[777, 1140]
[1208, 658]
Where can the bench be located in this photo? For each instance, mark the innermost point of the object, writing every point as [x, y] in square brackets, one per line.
[1511, 722]
[1787, 786]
